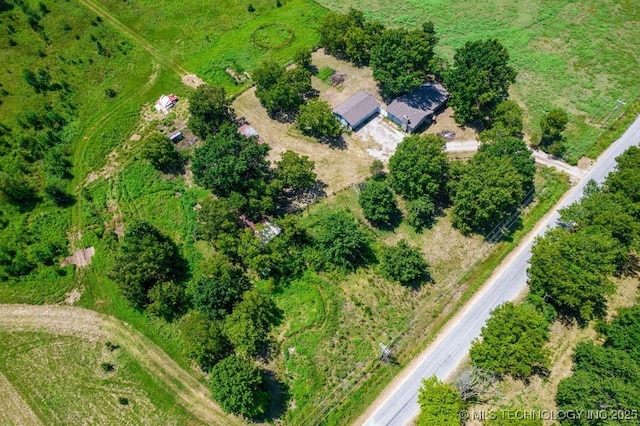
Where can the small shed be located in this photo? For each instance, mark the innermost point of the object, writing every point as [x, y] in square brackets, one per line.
[416, 108]
[176, 136]
[356, 110]
[166, 102]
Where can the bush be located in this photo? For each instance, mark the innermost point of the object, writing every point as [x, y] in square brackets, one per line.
[404, 264]
[239, 386]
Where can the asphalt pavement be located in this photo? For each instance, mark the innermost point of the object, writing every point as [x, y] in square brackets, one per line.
[442, 357]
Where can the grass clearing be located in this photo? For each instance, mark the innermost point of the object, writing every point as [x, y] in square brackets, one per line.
[333, 323]
[61, 379]
[206, 38]
[573, 55]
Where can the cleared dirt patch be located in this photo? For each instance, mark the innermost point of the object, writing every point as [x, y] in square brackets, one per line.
[80, 258]
[13, 409]
[192, 80]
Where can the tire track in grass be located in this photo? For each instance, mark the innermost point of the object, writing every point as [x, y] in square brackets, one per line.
[14, 410]
[91, 325]
[95, 8]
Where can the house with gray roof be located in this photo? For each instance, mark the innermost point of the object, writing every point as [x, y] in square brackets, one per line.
[416, 108]
[356, 110]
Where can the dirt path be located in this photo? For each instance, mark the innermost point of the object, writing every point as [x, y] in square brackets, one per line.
[13, 409]
[80, 322]
[132, 34]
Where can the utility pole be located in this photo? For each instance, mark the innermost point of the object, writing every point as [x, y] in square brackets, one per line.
[606, 102]
[386, 353]
[618, 104]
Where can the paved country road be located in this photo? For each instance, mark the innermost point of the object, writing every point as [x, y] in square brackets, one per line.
[398, 404]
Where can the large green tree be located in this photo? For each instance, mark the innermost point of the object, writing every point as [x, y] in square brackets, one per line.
[440, 404]
[159, 150]
[626, 178]
[570, 270]
[295, 172]
[552, 124]
[339, 242]
[219, 289]
[507, 122]
[401, 60]
[239, 386]
[209, 109]
[490, 189]
[479, 80]
[405, 264]
[250, 323]
[512, 342]
[378, 203]
[203, 339]
[281, 91]
[419, 167]
[349, 36]
[230, 162]
[517, 151]
[317, 119]
[143, 259]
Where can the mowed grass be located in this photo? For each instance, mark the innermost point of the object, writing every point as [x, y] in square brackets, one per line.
[207, 37]
[573, 55]
[62, 379]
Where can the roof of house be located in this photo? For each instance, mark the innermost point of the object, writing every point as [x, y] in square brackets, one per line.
[419, 104]
[357, 108]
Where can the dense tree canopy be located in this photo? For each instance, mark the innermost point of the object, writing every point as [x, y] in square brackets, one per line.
[507, 122]
[159, 150]
[512, 342]
[490, 189]
[239, 386]
[143, 259]
[401, 60]
[405, 264]
[281, 91]
[378, 203]
[479, 80]
[203, 339]
[316, 119]
[440, 404]
[419, 167]
[603, 377]
[626, 178]
[217, 291]
[210, 110]
[250, 323]
[569, 270]
[295, 172]
[229, 161]
[517, 151]
[339, 242]
[349, 36]
[420, 213]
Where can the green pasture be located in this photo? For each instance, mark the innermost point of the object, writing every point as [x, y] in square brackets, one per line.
[207, 37]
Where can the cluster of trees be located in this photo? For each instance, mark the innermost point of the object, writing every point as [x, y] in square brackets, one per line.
[440, 404]
[288, 94]
[571, 265]
[512, 342]
[492, 184]
[401, 59]
[569, 277]
[606, 376]
[227, 322]
[282, 91]
[234, 166]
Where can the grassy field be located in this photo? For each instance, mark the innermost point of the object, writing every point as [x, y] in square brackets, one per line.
[574, 55]
[208, 37]
[62, 380]
[333, 324]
